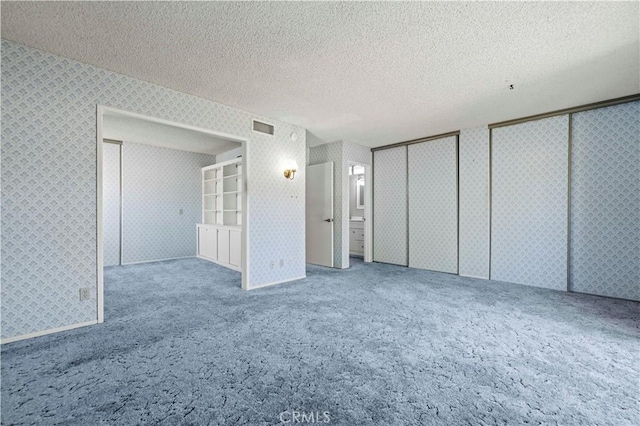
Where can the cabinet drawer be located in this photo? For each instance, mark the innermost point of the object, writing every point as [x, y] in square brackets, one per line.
[352, 239]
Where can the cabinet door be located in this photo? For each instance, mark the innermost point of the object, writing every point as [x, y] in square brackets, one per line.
[223, 245]
[235, 248]
[353, 242]
[207, 242]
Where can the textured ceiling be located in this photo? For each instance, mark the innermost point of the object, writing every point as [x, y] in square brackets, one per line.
[130, 129]
[371, 73]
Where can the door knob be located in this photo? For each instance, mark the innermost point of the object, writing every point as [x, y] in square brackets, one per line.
[328, 220]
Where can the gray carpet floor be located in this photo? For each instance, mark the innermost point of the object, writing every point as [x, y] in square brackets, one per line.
[374, 344]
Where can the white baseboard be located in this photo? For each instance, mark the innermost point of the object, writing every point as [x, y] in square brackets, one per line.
[277, 282]
[45, 332]
[156, 260]
[473, 276]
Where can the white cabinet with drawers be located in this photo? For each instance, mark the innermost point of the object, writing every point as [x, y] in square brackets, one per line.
[220, 244]
[356, 237]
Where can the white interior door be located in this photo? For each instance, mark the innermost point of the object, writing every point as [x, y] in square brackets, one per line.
[319, 207]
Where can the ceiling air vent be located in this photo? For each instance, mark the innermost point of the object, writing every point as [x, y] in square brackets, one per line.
[262, 127]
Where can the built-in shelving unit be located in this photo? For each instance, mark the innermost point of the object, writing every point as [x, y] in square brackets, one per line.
[222, 193]
[219, 234]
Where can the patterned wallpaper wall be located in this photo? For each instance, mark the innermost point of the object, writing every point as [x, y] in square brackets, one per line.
[529, 203]
[605, 201]
[111, 204]
[49, 182]
[157, 184]
[433, 205]
[474, 202]
[390, 206]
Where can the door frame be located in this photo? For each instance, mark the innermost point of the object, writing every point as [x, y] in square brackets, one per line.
[100, 111]
[368, 209]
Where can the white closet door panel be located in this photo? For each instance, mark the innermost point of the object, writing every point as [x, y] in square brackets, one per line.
[605, 195]
[474, 202]
[433, 205]
[111, 203]
[529, 203]
[390, 206]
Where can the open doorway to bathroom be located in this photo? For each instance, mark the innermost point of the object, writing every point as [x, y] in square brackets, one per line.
[359, 213]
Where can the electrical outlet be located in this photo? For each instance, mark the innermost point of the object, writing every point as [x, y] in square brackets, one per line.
[181, 211]
[85, 294]
[281, 263]
[271, 264]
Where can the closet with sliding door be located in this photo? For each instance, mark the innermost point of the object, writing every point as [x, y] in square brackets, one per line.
[548, 201]
[416, 203]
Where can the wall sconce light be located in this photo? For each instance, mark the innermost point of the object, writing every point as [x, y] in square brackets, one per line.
[290, 173]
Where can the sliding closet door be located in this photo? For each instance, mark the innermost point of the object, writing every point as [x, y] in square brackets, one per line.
[529, 203]
[473, 152]
[605, 200]
[111, 203]
[390, 206]
[433, 205]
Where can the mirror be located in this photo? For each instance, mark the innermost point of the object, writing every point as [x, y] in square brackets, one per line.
[360, 193]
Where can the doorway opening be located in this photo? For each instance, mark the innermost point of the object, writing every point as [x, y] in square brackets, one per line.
[359, 213]
[167, 191]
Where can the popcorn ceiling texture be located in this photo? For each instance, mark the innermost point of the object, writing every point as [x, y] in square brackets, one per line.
[374, 344]
[368, 72]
